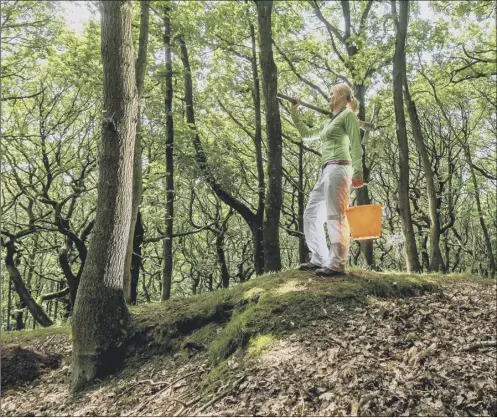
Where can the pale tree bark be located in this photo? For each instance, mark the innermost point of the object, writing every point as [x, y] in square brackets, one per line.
[101, 318]
[167, 271]
[399, 70]
[272, 257]
[436, 261]
[130, 279]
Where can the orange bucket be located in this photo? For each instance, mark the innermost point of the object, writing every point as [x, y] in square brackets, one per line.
[365, 221]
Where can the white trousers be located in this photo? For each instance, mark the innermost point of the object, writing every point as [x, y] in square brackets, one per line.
[327, 203]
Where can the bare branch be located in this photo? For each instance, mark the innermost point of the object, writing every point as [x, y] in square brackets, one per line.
[20, 97]
[330, 28]
[298, 75]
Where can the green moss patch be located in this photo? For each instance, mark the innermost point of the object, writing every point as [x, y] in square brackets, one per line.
[25, 336]
[253, 294]
[260, 343]
[294, 303]
[289, 286]
[201, 338]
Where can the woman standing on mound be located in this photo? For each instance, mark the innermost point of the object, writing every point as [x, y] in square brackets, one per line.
[341, 168]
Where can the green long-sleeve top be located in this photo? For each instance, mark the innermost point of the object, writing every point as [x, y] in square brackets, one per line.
[337, 134]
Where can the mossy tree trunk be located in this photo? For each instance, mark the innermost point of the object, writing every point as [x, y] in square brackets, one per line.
[272, 256]
[101, 317]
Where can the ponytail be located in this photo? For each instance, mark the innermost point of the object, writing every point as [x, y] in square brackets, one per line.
[354, 104]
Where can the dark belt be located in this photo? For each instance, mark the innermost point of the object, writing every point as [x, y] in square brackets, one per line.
[337, 162]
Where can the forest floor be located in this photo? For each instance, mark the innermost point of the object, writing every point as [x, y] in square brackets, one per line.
[285, 344]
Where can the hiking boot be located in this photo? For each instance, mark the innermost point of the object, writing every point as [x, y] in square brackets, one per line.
[326, 272]
[308, 266]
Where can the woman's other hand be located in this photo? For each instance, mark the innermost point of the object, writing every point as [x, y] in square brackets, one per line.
[357, 183]
[367, 126]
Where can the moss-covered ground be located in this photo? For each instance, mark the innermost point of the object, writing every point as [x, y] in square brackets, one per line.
[227, 320]
[302, 322]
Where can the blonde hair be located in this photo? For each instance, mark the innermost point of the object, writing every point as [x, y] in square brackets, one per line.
[352, 102]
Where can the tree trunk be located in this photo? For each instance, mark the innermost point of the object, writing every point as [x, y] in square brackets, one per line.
[467, 154]
[257, 232]
[220, 232]
[362, 193]
[425, 259]
[63, 255]
[101, 318]
[20, 325]
[221, 260]
[168, 239]
[65, 265]
[26, 300]
[31, 265]
[136, 260]
[272, 257]
[436, 261]
[399, 71]
[450, 203]
[137, 190]
[457, 259]
[56, 307]
[195, 283]
[258, 239]
[9, 305]
[303, 249]
[447, 252]
[252, 219]
[488, 243]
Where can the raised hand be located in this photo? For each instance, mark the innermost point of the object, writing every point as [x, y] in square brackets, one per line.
[295, 105]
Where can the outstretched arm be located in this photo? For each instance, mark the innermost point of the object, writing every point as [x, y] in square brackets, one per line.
[304, 131]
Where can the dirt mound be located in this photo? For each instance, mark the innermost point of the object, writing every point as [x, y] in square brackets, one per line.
[20, 365]
[369, 345]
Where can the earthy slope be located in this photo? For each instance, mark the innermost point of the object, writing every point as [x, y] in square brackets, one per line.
[291, 344]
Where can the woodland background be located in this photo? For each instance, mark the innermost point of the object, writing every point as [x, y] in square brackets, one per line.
[189, 240]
